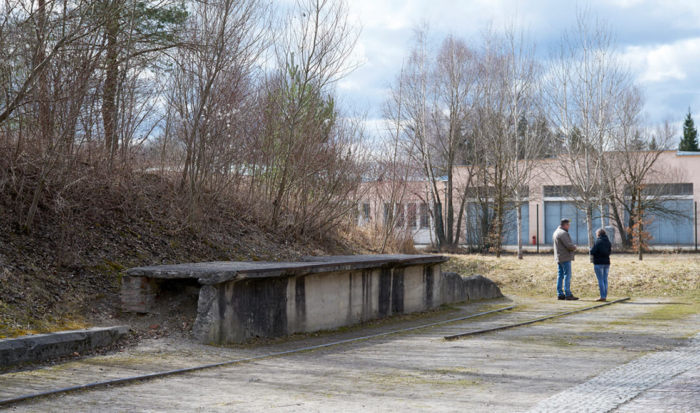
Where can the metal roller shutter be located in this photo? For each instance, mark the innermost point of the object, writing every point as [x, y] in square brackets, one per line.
[673, 230]
[555, 211]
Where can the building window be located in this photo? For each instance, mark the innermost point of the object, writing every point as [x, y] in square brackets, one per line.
[412, 216]
[664, 190]
[388, 214]
[424, 220]
[365, 211]
[559, 191]
[400, 216]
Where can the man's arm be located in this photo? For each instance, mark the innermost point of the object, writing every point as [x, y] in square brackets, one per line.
[568, 244]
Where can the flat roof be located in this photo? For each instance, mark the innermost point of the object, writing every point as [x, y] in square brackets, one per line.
[210, 273]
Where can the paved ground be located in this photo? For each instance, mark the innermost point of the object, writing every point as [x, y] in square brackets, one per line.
[663, 381]
[680, 394]
[512, 370]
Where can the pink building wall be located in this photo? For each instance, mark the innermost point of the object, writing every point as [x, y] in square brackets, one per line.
[546, 172]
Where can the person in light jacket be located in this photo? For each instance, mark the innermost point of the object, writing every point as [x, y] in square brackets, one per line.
[601, 261]
[563, 254]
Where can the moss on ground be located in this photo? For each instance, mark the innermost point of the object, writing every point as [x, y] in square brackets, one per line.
[431, 378]
[671, 312]
[25, 324]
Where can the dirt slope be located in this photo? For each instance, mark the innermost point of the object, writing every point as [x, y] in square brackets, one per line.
[66, 272]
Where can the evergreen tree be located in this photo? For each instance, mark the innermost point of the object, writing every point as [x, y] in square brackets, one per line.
[637, 143]
[689, 141]
[653, 146]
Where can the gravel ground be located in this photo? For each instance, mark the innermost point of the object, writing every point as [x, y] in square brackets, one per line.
[510, 370]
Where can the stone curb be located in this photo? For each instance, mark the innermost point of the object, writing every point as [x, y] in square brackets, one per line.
[41, 347]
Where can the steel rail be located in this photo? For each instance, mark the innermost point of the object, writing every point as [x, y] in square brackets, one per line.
[489, 330]
[230, 362]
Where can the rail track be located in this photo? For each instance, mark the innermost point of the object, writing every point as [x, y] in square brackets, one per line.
[142, 377]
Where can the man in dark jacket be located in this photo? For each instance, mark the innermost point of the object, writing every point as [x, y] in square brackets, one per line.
[563, 254]
[601, 262]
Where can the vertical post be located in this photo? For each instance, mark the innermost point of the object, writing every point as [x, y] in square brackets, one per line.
[696, 225]
[438, 226]
[538, 228]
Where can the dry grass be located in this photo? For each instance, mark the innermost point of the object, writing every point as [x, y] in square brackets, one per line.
[370, 238]
[667, 274]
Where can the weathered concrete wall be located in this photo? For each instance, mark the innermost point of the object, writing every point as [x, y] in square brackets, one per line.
[456, 289]
[239, 310]
[138, 294]
[46, 346]
[242, 300]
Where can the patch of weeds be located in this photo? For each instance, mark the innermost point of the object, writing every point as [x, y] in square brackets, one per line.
[23, 324]
[564, 342]
[598, 327]
[671, 312]
[108, 267]
[457, 370]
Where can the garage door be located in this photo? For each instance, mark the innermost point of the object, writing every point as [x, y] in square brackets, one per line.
[676, 230]
[480, 220]
[511, 226]
[555, 211]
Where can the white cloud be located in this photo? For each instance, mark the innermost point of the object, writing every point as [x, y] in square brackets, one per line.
[660, 39]
[666, 62]
[627, 3]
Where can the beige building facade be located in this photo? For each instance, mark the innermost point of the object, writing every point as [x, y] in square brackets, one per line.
[548, 201]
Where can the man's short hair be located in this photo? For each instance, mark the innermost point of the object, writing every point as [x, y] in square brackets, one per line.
[564, 221]
[600, 232]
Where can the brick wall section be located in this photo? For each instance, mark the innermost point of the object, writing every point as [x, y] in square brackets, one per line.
[138, 294]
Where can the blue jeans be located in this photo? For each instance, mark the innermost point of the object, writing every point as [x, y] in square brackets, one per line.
[601, 271]
[564, 278]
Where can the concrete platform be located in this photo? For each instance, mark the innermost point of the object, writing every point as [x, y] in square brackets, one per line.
[211, 273]
[242, 300]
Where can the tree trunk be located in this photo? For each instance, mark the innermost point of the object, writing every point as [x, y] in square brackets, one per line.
[460, 218]
[640, 233]
[624, 239]
[499, 227]
[589, 225]
[450, 213]
[519, 215]
[35, 205]
[45, 123]
[109, 93]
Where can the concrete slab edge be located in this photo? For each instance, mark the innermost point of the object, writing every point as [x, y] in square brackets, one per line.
[41, 347]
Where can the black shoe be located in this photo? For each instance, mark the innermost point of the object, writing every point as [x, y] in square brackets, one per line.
[571, 298]
[561, 297]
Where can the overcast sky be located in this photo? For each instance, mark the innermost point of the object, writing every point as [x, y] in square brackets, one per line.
[659, 38]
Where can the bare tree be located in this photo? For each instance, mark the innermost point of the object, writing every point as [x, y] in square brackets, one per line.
[136, 33]
[225, 39]
[585, 81]
[524, 135]
[638, 186]
[56, 25]
[439, 94]
[396, 169]
[44, 84]
[456, 77]
[302, 128]
[493, 140]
